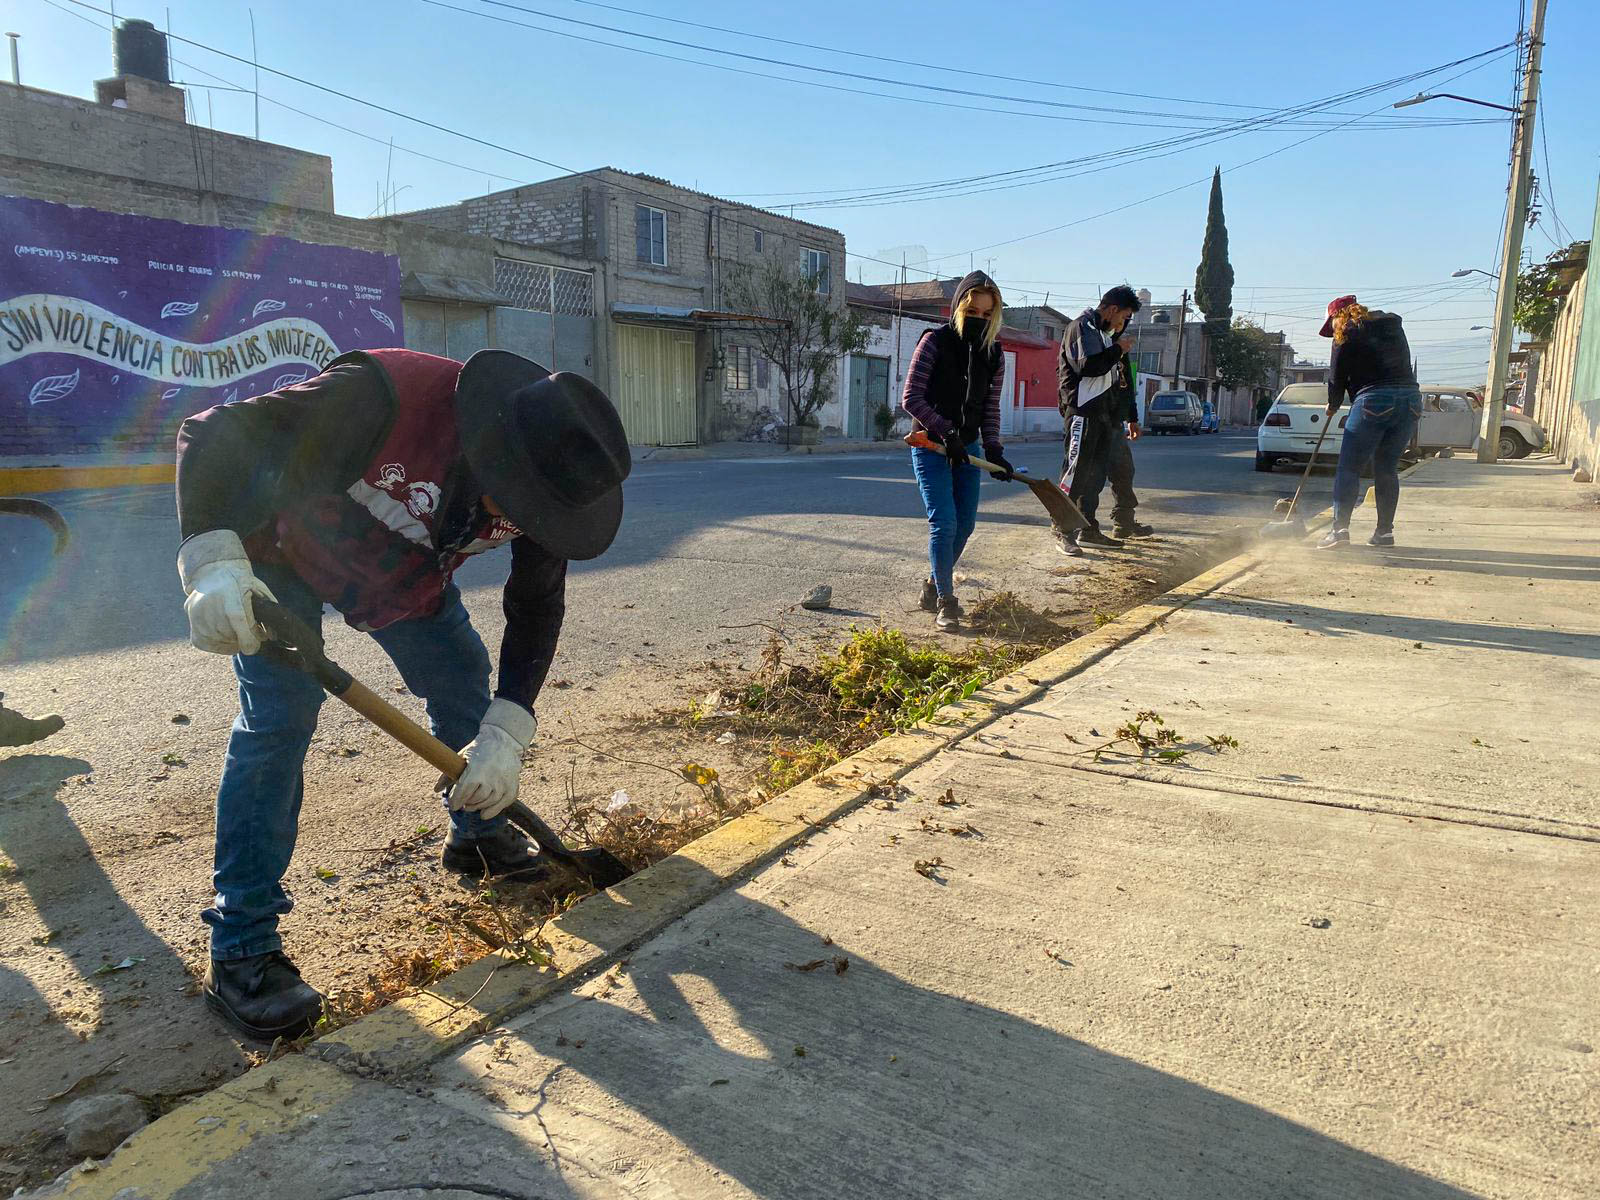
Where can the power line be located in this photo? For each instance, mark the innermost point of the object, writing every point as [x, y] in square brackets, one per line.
[1047, 172]
[922, 66]
[858, 76]
[232, 85]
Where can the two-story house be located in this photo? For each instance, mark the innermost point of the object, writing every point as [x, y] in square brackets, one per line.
[680, 364]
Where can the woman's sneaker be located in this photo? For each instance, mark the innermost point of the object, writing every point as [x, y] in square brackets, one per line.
[949, 618]
[1381, 539]
[1334, 539]
[929, 600]
[1067, 543]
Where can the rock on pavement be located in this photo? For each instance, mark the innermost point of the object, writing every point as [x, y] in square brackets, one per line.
[97, 1125]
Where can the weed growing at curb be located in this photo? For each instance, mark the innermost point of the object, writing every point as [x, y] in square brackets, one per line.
[1149, 736]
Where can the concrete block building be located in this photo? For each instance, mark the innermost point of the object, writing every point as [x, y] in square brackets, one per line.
[679, 362]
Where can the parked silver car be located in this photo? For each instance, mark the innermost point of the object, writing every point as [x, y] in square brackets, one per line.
[1174, 412]
[1453, 416]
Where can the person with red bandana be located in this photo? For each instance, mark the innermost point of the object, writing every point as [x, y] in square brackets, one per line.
[364, 488]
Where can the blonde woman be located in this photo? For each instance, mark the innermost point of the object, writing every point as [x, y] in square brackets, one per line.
[952, 392]
[1371, 362]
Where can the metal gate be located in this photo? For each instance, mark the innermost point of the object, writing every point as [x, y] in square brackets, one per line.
[551, 317]
[656, 385]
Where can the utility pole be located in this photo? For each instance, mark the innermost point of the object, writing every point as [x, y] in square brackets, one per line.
[1511, 245]
[1177, 363]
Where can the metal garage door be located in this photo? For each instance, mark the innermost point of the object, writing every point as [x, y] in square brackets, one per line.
[656, 385]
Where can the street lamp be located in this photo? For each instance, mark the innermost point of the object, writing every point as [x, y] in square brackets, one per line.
[1424, 97]
[1465, 271]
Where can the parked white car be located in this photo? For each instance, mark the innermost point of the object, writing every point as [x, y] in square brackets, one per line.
[1292, 425]
[1451, 417]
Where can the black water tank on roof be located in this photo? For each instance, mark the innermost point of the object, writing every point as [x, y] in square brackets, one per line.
[142, 51]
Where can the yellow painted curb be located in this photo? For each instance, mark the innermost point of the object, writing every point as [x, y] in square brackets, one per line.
[177, 1150]
[21, 481]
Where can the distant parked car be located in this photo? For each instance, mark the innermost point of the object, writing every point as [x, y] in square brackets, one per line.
[1453, 416]
[1174, 412]
[1208, 419]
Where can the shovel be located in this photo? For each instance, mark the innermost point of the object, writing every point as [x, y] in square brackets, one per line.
[1062, 510]
[298, 645]
[1292, 526]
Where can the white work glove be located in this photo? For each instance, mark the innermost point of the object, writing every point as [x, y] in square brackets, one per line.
[218, 580]
[494, 761]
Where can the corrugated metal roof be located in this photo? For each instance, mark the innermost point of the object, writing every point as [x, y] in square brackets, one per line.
[417, 285]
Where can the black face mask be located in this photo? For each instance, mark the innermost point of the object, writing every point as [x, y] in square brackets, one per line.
[972, 329]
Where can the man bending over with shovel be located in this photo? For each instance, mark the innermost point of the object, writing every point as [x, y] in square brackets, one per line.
[365, 487]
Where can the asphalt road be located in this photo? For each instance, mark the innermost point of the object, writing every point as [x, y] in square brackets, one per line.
[734, 539]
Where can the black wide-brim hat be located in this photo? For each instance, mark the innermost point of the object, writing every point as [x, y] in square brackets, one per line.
[547, 449]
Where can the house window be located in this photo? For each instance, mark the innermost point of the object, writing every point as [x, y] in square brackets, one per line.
[1150, 361]
[758, 241]
[1052, 334]
[650, 234]
[740, 369]
[763, 374]
[817, 270]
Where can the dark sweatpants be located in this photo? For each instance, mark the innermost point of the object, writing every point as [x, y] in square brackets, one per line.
[1084, 467]
[1119, 470]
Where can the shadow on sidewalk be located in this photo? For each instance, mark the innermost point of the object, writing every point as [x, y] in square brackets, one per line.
[1435, 631]
[860, 1083]
[1508, 563]
[71, 1017]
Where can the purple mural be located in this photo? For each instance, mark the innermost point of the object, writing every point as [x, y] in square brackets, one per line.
[115, 327]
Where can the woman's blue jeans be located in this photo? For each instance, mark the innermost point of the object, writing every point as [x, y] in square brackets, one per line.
[951, 498]
[441, 659]
[1381, 423]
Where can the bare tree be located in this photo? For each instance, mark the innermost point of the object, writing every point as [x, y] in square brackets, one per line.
[804, 332]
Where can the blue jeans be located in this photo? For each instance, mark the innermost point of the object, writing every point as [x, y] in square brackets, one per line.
[951, 498]
[441, 659]
[1381, 423]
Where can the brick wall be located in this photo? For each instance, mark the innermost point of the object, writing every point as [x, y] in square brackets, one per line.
[555, 215]
[69, 132]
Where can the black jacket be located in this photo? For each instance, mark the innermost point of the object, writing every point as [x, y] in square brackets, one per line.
[1374, 354]
[1090, 365]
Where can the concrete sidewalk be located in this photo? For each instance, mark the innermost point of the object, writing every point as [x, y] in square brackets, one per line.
[1354, 957]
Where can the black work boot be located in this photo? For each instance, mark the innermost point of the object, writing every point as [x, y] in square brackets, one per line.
[1093, 536]
[1132, 529]
[929, 600]
[262, 996]
[504, 854]
[949, 618]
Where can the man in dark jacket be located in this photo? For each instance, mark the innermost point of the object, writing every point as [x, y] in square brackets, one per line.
[1089, 371]
[1119, 456]
[365, 487]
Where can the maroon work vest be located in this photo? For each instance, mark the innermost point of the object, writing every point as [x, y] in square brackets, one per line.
[373, 552]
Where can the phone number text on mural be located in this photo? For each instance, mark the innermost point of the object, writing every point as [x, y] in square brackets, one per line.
[62, 325]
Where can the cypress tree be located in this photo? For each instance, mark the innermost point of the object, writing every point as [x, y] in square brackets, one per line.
[1213, 279]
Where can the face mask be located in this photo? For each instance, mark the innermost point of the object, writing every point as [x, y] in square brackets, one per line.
[973, 329]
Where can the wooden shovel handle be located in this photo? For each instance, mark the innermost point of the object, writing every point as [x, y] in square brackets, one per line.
[402, 728]
[918, 439]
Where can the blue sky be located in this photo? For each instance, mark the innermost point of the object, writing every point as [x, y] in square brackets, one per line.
[1387, 213]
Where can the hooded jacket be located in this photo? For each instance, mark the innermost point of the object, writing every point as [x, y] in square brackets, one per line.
[1375, 353]
[952, 384]
[1090, 365]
